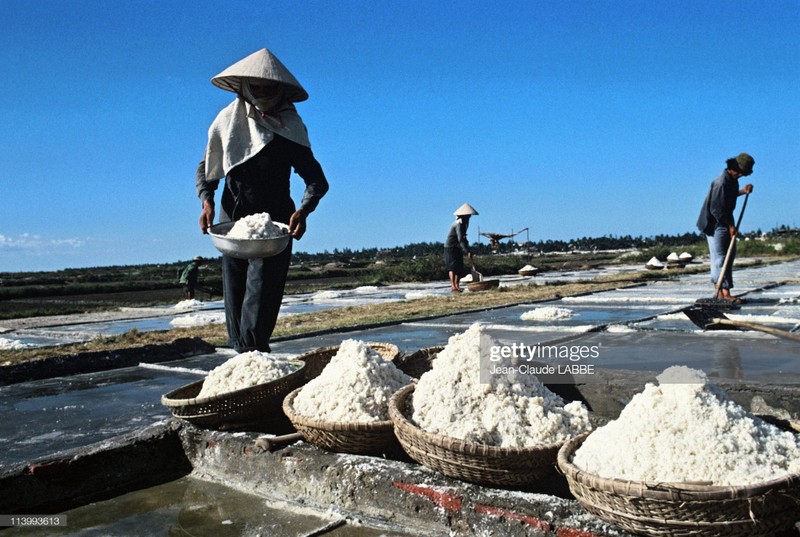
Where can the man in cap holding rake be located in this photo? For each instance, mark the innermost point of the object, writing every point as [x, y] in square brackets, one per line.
[254, 143]
[717, 222]
[456, 246]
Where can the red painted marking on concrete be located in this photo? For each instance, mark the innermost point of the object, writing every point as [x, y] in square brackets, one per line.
[46, 469]
[527, 519]
[445, 500]
[572, 532]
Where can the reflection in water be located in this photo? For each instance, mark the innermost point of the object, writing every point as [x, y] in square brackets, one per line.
[727, 362]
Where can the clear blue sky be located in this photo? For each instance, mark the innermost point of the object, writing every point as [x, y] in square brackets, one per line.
[573, 118]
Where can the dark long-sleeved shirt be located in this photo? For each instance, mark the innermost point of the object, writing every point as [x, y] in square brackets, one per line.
[719, 204]
[261, 184]
[457, 235]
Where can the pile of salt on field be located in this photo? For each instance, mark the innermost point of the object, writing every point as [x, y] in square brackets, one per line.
[515, 411]
[687, 429]
[245, 370]
[355, 386]
[257, 226]
[547, 313]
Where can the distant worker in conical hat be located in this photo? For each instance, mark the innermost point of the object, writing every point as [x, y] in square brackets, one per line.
[254, 143]
[456, 246]
[717, 222]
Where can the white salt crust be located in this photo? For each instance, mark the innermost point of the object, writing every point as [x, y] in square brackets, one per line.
[687, 429]
[510, 411]
[257, 226]
[243, 371]
[12, 344]
[547, 313]
[355, 386]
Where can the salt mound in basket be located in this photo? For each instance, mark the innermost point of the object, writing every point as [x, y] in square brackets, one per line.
[355, 386]
[686, 429]
[514, 411]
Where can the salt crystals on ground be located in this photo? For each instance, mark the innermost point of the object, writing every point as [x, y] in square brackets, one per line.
[355, 386]
[366, 289]
[326, 295]
[7, 344]
[188, 304]
[198, 319]
[687, 429]
[245, 370]
[547, 313]
[514, 410]
[257, 226]
[415, 295]
[619, 329]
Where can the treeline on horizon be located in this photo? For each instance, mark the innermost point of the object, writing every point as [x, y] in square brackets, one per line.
[583, 244]
[410, 251]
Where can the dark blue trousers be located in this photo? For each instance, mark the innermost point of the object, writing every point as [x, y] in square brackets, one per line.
[253, 291]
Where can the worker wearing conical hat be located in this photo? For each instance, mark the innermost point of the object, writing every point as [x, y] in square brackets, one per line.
[254, 143]
[456, 246]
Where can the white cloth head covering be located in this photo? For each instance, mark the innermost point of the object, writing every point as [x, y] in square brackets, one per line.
[240, 131]
[465, 210]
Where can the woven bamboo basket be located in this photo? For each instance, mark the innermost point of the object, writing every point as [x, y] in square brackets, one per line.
[257, 408]
[364, 438]
[483, 285]
[468, 461]
[419, 362]
[316, 360]
[684, 509]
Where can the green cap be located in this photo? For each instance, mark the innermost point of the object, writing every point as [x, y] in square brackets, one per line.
[745, 163]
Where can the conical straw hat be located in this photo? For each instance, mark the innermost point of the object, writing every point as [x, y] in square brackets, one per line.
[261, 65]
[465, 210]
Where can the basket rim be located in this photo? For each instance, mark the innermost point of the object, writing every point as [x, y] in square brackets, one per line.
[663, 490]
[457, 445]
[433, 348]
[424, 351]
[324, 425]
[483, 284]
[168, 401]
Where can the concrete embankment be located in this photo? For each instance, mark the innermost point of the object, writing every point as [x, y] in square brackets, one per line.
[398, 496]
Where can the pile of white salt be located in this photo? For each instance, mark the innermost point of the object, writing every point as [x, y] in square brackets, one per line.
[245, 370]
[687, 429]
[257, 226]
[355, 386]
[513, 410]
[547, 313]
